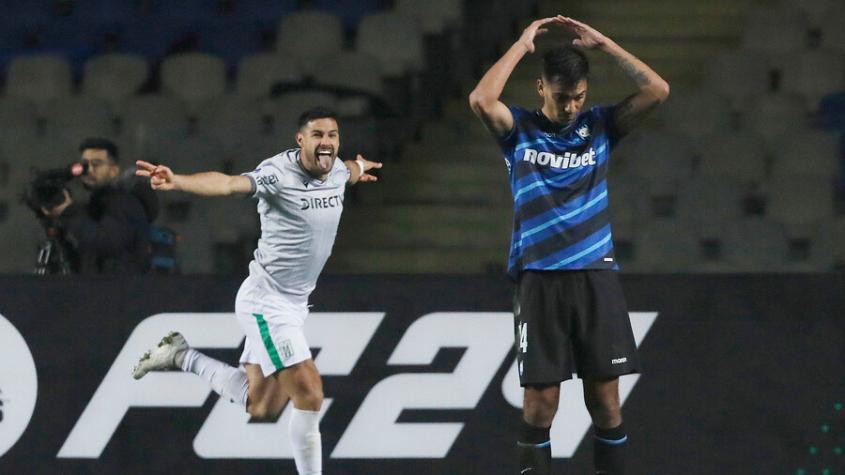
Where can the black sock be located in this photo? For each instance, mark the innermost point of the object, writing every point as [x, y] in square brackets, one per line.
[609, 450]
[535, 450]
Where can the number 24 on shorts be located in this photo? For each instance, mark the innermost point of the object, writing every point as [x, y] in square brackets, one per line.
[523, 337]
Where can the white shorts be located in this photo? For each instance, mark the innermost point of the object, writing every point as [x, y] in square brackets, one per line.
[274, 327]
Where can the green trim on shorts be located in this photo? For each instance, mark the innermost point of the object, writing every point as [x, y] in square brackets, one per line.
[268, 341]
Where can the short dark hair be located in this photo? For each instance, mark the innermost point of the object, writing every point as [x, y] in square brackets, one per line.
[315, 113]
[99, 143]
[566, 66]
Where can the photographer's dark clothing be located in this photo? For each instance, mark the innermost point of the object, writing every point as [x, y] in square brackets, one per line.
[110, 232]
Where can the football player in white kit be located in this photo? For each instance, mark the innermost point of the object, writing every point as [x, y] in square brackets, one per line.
[300, 200]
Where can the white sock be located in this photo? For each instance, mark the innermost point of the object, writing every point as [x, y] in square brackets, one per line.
[305, 440]
[225, 380]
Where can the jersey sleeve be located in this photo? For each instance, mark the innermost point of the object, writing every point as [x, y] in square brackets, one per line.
[508, 142]
[266, 179]
[604, 116]
[340, 167]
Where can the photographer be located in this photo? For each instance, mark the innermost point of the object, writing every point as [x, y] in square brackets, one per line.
[110, 233]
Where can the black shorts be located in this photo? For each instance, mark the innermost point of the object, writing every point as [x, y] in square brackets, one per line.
[568, 321]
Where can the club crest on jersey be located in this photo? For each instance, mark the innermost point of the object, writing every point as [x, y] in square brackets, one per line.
[583, 131]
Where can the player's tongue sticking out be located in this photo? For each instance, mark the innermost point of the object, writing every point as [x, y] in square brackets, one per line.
[325, 157]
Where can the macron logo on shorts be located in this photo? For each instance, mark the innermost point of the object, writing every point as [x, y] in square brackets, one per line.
[619, 360]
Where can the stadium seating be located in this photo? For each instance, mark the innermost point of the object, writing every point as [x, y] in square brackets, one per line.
[799, 202]
[79, 116]
[665, 160]
[815, 10]
[813, 74]
[285, 109]
[307, 36]
[394, 39]
[710, 200]
[828, 239]
[738, 156]
[832, 34]
[198, 152]
[755, 245]
[151, 36]
[350, 13]
[114, 77]
[193, 78]
[200, 85]
[38, 78]
[231, 40]
[353, 71]
[21, 232]
[738, 75]
[806, 153]
[773, 116]
[696, 114]
[434, 16]
[666, 245]
[17, 117]
[264, 13]
[628, 199]
[232, 120]
[258, 73]
[147, 119]
[776, 31]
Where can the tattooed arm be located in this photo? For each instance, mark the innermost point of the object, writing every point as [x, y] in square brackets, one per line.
[653, 89]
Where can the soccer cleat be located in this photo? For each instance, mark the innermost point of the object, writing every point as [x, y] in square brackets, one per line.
[162, 358]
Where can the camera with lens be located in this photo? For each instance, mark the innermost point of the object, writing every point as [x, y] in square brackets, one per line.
[46, 191]
[47, 188]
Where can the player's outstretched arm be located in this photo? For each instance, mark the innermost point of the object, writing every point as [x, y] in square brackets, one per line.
[653, 89]
[205, 184]
[358, 169]
[484, 99]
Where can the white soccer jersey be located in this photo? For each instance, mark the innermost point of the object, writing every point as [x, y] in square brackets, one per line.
[299, 219]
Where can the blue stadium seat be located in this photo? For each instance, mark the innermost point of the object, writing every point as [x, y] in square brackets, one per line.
[69, 38]
[27, 13]
[350, 13]
[104, 13]
[832, 111]
[13, 36]
[231, 40]
[190, 10]
[152, 36]
[264, 13]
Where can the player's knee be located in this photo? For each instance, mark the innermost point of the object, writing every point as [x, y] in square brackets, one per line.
[311, 398]
[262, 412]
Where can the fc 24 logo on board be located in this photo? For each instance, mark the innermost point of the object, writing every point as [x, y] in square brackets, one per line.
[18, 385]
[342, 338]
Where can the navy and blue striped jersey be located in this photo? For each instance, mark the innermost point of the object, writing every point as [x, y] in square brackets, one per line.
[558, 179]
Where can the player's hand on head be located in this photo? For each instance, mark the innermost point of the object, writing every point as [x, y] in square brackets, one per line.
[535, 29]
[368, 165]
[161, 177]
[587, 36]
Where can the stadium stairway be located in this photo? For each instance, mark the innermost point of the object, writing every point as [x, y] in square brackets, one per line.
[445, 206]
